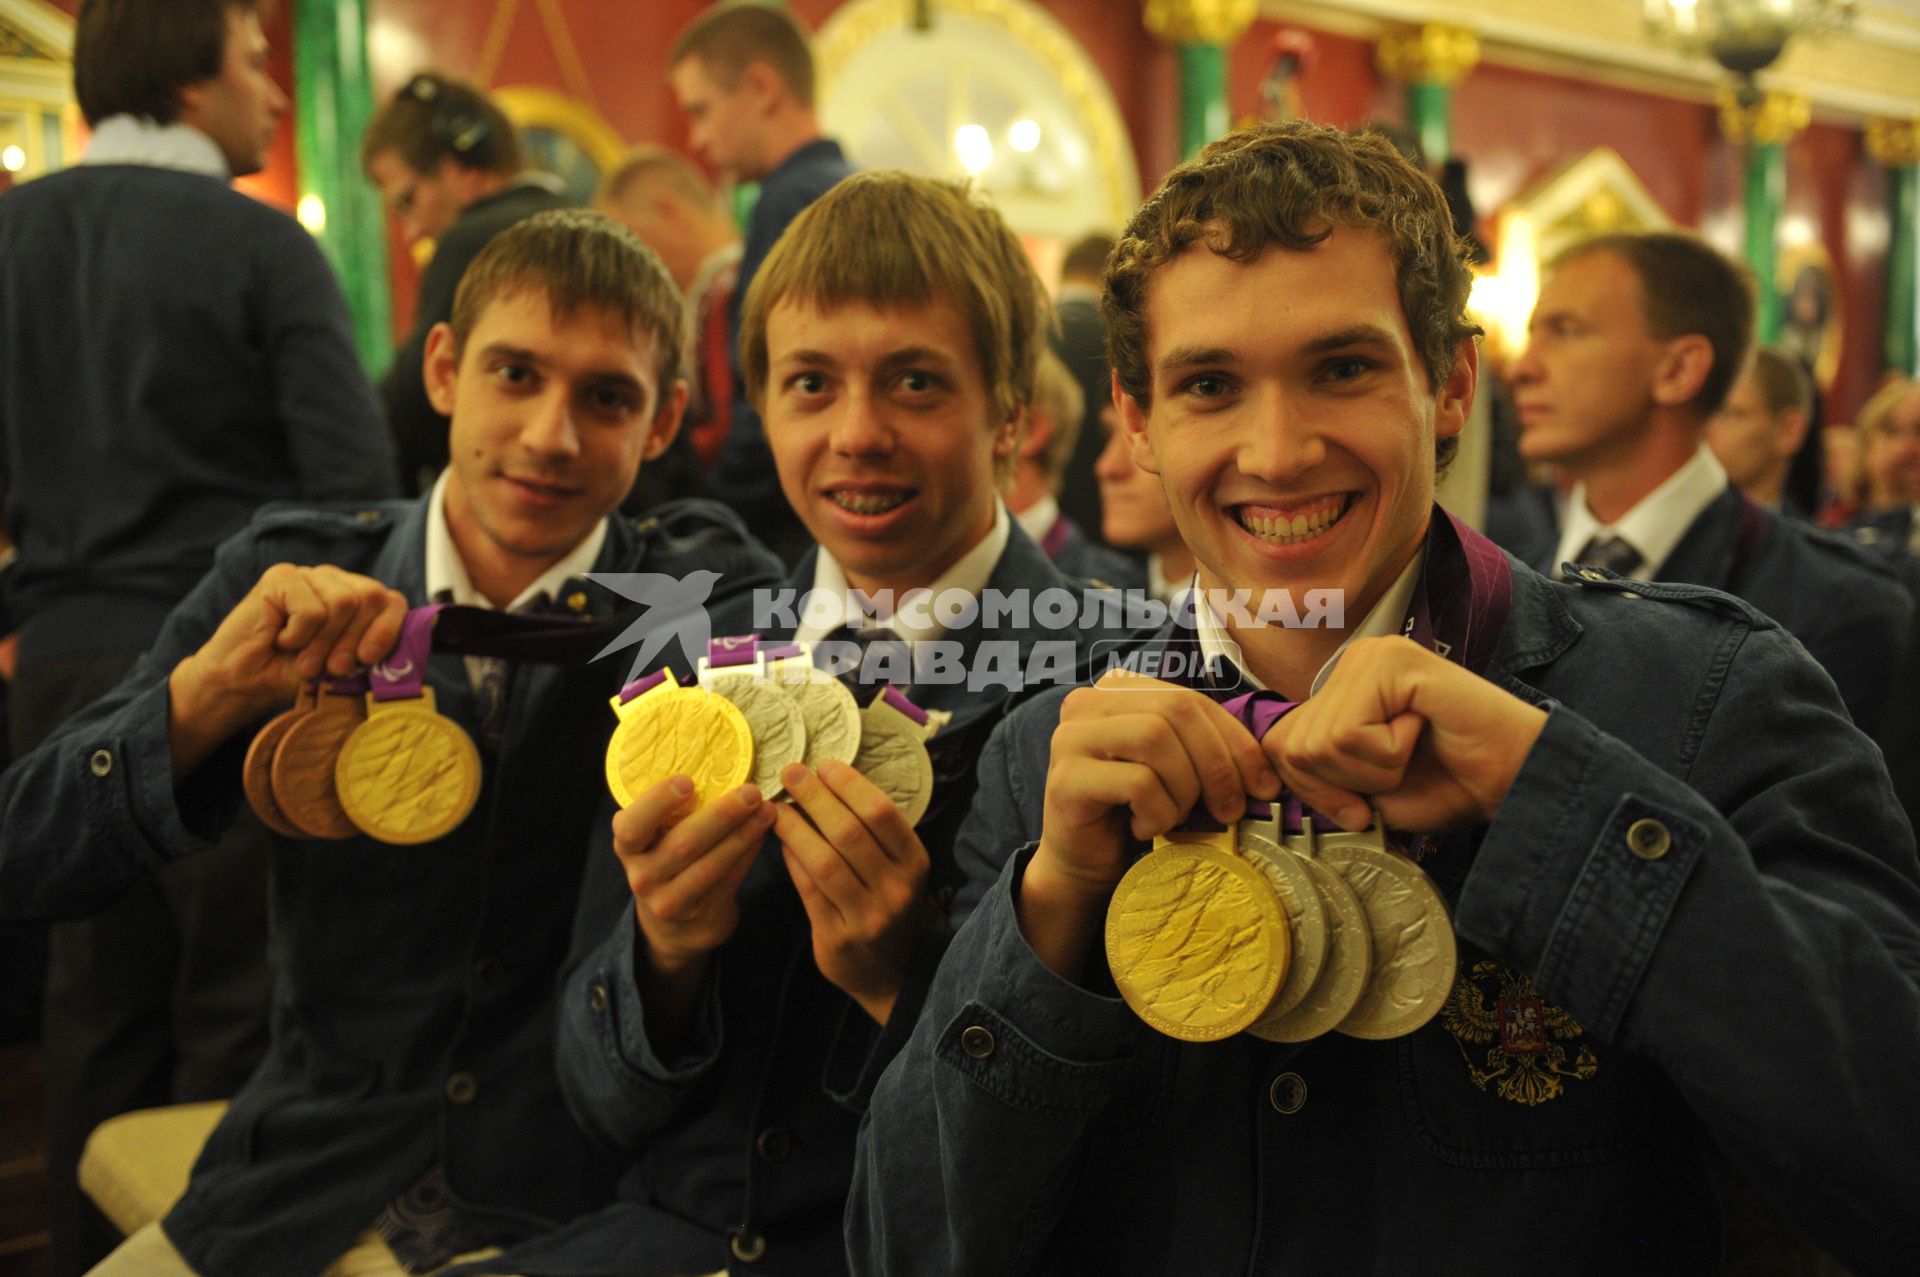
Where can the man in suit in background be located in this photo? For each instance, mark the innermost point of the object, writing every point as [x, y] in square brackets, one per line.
[1081, 342]
[1033, 492]
[1631, 351]
[176, 354]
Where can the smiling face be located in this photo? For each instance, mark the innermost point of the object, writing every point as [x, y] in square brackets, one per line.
[552, 416]
[240, 107]
[885, 436]
[1292, 422]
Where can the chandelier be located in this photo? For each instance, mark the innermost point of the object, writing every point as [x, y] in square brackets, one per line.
[1744, 36]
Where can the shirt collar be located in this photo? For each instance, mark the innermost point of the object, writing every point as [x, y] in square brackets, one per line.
[1656, 523]
[135, 139]
[1388, 616]
[1038, 519]
[447, 573]
[1160, 585]
[827, 608]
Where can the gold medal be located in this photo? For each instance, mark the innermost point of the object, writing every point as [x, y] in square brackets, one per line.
[667, 730]
[1196, 938]
[831, 714]
[256, 774]
[408, 774]
[893, 753]
[1414, 953]
[302, 771]
[1261, 843]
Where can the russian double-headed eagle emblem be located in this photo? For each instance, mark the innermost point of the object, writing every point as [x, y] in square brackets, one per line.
[1525, 1060]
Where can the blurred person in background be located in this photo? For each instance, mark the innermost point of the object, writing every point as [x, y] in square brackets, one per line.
[450, 169]
[1051, 436]
[176, 355]
[1762, 425]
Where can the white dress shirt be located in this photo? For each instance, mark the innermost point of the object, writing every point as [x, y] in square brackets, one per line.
[1655, 525]
[1388, 616]
[827, 610]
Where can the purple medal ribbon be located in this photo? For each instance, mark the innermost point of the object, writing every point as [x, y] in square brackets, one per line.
[1056, 537]
[646, 684]
[402, 674]
[893, 697]
[1465, 595]
[738, 650]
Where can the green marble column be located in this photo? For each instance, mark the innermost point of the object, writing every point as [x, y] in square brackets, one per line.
[333, 101]
[1203, 95]
[1896, 144]
[1201, 32]
[1765, 196]
[1762, 127]
[1429, 60]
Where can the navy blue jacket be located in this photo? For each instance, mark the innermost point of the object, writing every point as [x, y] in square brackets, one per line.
[413, 987]
[173, 355]
[1079, 555]
[1752, 995]
[742, 1145]
[1845, 604]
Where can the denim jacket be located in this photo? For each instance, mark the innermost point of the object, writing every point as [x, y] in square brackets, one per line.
[413, 1000]
[1623, 1027]
[741, 1145]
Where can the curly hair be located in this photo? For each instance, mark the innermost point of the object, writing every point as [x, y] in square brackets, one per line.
[1291, 185]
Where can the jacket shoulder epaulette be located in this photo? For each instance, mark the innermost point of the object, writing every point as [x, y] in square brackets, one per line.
[368, 518]
[1601, 581]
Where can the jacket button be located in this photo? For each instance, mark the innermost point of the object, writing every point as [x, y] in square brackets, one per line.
[577, 601]
[488, 972]
[1648, 839]
[774, 1144]
[597, 999]
[977, 1040]
[748, 1246]
[462, 1088]
[101, 763]
[368, 516]
[1288, 1094]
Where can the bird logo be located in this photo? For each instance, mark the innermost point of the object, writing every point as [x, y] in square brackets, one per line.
[675, 608]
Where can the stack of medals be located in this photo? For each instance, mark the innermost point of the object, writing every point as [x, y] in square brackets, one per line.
[1284, 935]
[366, 755]
[751, 713]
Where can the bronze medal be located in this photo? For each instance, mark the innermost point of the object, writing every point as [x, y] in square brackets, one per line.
[256, 774]
[1414, 952]
[1196, 938]
[303, 766]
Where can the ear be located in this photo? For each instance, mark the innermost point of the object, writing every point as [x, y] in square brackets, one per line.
[1454, 404]
[439, 370]
[1007, 437]
[666, 423]
[1682, 370]
[1133, 424]
[1793, 431]
[763, 83]
[1038, 435]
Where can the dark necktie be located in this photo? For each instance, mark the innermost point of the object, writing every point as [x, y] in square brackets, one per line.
[1611, 553]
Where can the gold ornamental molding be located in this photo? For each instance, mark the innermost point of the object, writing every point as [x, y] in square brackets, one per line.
[1200, 21]
[1894, 143]
[1773, 120]
[1869, 70]
[1432, 53]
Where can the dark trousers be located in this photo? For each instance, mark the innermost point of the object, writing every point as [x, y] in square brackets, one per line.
[160, 998]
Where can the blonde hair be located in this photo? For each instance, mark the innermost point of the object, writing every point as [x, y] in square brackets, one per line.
[1058, 397]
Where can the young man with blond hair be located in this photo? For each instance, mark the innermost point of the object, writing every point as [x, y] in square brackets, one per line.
[408, 1085]
[743, 75]
[748, 967]
[1686, 905]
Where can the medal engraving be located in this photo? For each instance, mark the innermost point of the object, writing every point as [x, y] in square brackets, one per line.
[1196, 939]
[1414, 954]
[774, 719]
[674, 731]
[1306, 917]
[893, 755]
[408, 774]
[1343, 977]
